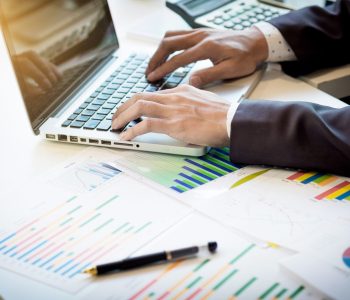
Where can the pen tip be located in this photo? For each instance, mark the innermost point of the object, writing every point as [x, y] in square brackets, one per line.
[91, 271]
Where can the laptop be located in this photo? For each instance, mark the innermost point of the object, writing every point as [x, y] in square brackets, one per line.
[73, 75]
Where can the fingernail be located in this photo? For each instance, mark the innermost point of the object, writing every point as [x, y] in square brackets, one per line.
[195, 81]
[151, 76]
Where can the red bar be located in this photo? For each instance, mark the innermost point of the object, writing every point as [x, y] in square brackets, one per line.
[143, 289]
[166, 294]
[332, 190]
[296, 175]
[194, 294]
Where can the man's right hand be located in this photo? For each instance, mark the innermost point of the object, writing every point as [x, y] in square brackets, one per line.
[233, 54]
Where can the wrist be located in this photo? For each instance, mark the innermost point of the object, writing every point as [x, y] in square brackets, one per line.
[258, 45]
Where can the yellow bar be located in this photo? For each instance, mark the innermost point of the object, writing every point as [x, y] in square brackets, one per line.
[181, 281]
[339, 192]
[205, 297]
[305, 176]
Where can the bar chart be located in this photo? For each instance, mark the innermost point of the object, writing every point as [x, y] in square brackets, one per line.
[177, 173]
[315, 178]
[346, 257]
[340, 192]
[56, 244]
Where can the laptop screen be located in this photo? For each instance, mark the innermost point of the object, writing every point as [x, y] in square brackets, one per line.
[55, 45]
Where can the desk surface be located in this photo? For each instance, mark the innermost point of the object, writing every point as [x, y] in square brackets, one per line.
[24, 155]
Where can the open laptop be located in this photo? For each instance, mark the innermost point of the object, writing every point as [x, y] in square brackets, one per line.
[78, 38]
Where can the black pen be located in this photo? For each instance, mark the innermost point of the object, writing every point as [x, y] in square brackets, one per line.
[140, 261]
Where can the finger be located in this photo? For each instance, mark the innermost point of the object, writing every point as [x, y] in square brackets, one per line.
[154, 97]
[43, 65]
[205, 76]
[168, 46]
[33, 72]
[56, 71]
[177, 32]
[146, 126]
[186, 57]
[140, 109]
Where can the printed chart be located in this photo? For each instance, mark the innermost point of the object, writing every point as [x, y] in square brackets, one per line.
[178, 173]
[56, 240]
[239, 270]
[346, 257]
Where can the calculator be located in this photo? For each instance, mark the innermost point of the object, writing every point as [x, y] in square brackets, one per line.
[225, 14]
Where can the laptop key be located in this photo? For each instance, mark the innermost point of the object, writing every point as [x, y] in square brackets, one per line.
[77, 124]
[88, 112]
[98, 102]
[103, 96]
[108, 106]
[92, 124]
[103, 111]
[98, 117]
[82, 118]
[78, 111]
[66, 123]
[93, 107]
[72, 117]
[87, 101]
[104, 125]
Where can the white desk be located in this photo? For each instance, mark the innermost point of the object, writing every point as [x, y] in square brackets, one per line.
[24, 155]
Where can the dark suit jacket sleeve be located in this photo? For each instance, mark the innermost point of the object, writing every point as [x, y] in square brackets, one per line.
[319, 37]
[292, 134]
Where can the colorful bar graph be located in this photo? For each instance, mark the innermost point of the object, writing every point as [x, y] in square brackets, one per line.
[198, 171]
[339, 192]
[319, 179]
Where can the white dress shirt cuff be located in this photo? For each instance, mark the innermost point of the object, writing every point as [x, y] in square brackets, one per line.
[230, 114]
[279, 49]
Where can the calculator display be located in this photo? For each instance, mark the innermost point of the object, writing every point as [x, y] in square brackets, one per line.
[194, 3]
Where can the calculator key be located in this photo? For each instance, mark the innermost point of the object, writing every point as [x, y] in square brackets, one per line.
[77, 124]
[246, 23]
[253, 20]
[238, 27]
[218, 21]
[258, 10]
[260, 17]
[104, 125]
[251, 14]
[268, 13]
[226, 17]
[92, 124]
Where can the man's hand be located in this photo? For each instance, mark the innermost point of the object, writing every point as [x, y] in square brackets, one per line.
[233, 54]
[184, 113]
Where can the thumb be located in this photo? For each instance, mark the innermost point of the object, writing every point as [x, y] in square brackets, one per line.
[205, 76]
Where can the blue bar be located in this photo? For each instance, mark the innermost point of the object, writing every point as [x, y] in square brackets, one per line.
[101, 174]
[51, 259]
[33, 249]
[116, 171]
[216, 165]
[343, 196]
[9, 250]
[3, 247]
[221, 151]
[80, 270]
[202, 167]
[197, 173]
[312, 178]
[64, 265]
[176, 189]
[184, 184]
[7, 238]
[191, 179]
[36, 261]
[70, 269]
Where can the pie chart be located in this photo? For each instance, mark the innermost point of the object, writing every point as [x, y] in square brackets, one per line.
[346, 257]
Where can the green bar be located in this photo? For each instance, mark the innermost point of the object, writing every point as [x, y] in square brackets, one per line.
[75, 209]
[143, 227]
[107, 202]
[181, 188]
[244, 287]
[202, 180]
[220, 163]
[90, 220]
[222, 156]
[322, 178]
[281, 293]
[104, 224]
[129, 229]
[224, 280]
[66, 221]
[120, 227]
[268, 291]
[151, 294]
[71, 199]
[206, 173]
[189, 183]
[296, 292]
[248, 178]
[213, 168]
[194, 282]
[244, 252]
[201, 265]
[348, 198]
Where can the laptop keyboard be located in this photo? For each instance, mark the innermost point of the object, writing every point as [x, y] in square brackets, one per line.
[97, 111]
